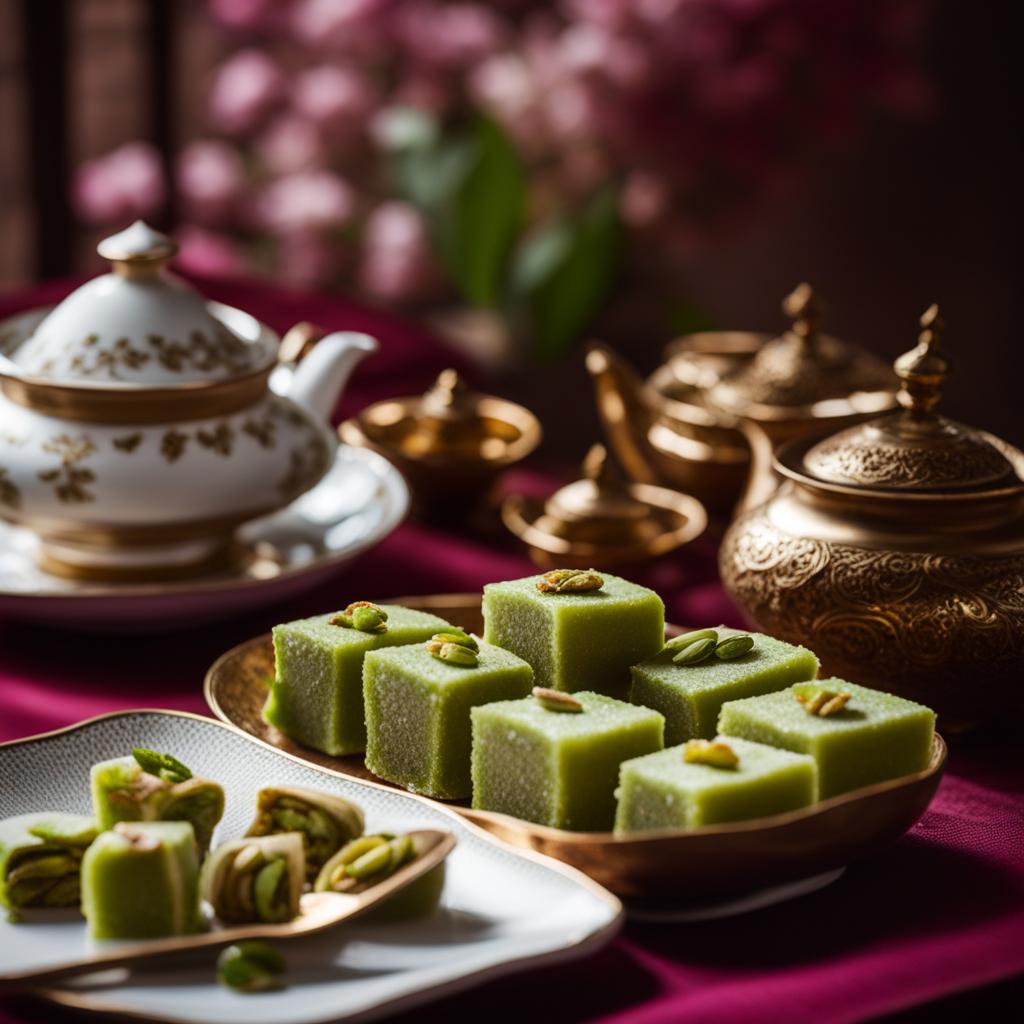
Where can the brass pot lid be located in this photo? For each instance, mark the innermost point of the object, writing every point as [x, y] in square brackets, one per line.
[602, 517]
[137, 326]
[804, 374]
[451, 424]
[915, 448]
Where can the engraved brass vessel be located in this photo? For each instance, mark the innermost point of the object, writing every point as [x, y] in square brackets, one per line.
[895, 549]
[707, 420]
[451, 444]
[602, 520]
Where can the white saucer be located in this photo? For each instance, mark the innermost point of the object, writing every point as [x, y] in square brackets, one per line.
[356, 505]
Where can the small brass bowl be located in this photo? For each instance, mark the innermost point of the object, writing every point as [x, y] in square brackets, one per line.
[600, 519]
[451, 443]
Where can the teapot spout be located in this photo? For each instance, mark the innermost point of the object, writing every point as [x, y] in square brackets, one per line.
[626, 411]
[320, 377]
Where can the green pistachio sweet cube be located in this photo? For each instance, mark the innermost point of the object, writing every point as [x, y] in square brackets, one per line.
[558, 768]
[691, 696]
[140, 880]
[662, 790]
[316, 696]
[874, 737]
[417, 713]
[576, 641]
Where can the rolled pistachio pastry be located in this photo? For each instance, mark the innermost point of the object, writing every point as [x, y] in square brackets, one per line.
[364, 862]
[123, 791]
[326, 822]
[41, 859]
[255, 879]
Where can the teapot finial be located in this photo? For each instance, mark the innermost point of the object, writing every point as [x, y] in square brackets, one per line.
[923, 369]
[805, 309]
[138, 250]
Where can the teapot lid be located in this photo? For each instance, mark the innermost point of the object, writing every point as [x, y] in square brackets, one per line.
[915, 448]
[804, 373]
[138, 326]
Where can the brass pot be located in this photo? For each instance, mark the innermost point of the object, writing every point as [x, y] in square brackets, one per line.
[602, 520]
[451, 444]
[706, 421]
[895, 550]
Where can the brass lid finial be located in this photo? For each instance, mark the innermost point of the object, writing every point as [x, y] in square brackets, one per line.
[448, 397]
[805, 309]
[923, 369]
[600, 469]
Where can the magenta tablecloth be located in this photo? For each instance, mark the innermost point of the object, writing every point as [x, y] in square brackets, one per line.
[942, 911]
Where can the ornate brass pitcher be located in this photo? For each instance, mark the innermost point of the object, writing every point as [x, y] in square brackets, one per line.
[895, 549]
[707, 420]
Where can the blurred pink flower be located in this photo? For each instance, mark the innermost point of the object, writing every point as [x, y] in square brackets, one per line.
[289, 144]
[245, 89]
[120, 186]
[334, 96]
[643, 200]
[425, 90]
[248, 14]
[448, 35]
[396, 261]
[210, 177]
[207, 252]
[306, 201]
[346, 25]
[307, 258]
[506, 86]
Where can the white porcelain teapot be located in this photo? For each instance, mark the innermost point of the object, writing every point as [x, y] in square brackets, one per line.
[138, 426]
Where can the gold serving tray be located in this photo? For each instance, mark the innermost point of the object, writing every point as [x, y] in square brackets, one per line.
[664, 866]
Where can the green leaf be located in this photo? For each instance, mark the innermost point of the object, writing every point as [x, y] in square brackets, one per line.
[163, 766]
[428, 176]
[564, 271]
[477, 226]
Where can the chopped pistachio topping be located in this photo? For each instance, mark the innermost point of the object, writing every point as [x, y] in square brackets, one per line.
[163, 766]
[564, 581]
[250, 967]
[454, 654]
[454, 636]
[684, 640]
[734, 647]
[823, 702]
[556, 700]
[695, 653]
[362, 615]
[710, 752]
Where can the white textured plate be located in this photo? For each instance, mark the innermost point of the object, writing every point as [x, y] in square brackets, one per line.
[356, 505]
[502, 910]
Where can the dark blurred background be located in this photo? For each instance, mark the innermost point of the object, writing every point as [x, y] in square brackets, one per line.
[594, 167]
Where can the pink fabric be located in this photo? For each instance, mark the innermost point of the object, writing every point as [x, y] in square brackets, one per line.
[940, 912]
